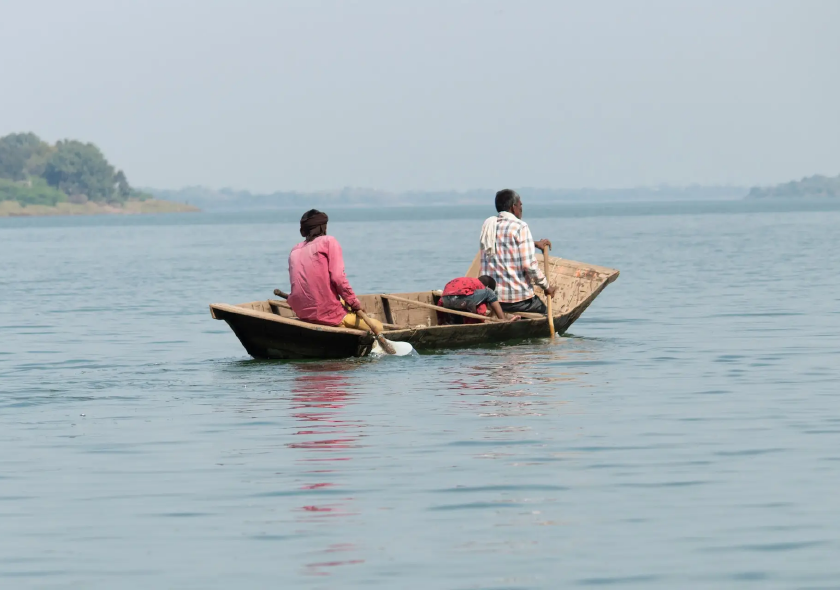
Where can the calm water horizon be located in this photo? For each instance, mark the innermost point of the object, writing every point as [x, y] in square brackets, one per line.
[684, 434]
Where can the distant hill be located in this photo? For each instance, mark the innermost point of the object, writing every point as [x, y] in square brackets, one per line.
[233, 200]
[810, 186]
[70, 177]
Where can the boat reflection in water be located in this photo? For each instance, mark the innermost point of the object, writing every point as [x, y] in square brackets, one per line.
[501, 380]
[327, 439]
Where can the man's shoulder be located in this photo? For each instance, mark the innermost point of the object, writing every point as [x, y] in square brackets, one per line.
[322, 242]
[319, 243]
[462, 284]
[471, 282]
[512, 226]
[515, 221]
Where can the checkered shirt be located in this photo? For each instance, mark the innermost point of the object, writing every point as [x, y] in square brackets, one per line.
[514, 266]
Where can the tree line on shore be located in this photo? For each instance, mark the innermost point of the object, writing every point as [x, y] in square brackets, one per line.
[34, 172]
[810, 186]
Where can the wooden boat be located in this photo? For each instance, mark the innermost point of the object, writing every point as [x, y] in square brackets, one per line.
[269, 329]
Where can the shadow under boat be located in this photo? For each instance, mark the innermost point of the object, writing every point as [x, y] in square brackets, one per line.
[268, 329]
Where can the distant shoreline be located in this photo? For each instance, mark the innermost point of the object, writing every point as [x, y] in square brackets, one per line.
[224, 200]
[817, 186]
[130, 207]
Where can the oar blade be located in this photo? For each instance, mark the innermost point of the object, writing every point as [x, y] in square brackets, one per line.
[400, 349]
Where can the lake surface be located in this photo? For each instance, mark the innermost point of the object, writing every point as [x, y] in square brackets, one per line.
[685, 434]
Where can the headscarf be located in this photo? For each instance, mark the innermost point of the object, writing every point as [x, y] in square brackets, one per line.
[314, 226]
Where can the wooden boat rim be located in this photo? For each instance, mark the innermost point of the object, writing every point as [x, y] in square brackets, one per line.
[581, 265]
[226, 307]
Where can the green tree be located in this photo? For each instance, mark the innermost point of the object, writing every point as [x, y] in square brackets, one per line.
[22, 155]
[810, 186]
[123, 188]
[39, 193]
[78, 168]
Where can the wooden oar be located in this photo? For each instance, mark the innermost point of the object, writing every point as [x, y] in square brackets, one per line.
[383, 342]
[466, 314]
[548, 298]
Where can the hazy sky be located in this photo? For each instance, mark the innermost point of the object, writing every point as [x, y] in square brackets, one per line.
[396, 94]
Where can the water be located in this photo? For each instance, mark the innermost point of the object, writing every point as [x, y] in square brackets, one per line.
[685, 434]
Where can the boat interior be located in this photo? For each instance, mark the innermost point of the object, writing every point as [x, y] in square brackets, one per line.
[577, 283]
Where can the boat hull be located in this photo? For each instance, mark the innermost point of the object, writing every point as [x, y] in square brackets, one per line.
[267, 340]
[264, 337]
[437, 337]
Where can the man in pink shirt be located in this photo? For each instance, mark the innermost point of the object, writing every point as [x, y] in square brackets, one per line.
[316, 272]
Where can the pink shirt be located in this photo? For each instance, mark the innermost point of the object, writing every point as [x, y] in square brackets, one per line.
[316, 271]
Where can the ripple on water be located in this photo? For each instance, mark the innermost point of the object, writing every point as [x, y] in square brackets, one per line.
[684, 436]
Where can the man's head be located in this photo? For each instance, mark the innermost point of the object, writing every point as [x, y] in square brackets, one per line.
[509, 200]
[313, 224]
[488, 282]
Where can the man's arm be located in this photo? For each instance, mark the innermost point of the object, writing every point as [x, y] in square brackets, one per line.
[529, 258]
[497, 310]
[338, 278]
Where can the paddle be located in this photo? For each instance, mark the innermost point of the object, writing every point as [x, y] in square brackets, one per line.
[383, 342]
[437, 308]
[548, 298]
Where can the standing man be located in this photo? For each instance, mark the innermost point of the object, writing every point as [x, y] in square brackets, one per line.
[508, 255]
[316, 272]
